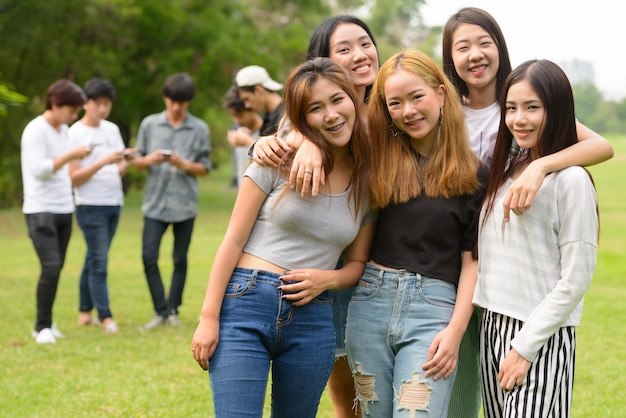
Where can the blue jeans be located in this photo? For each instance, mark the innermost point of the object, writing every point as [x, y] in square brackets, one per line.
[392, 320]
[98, 224]
[259, 329]
[153, 231]
[340, 301]
[50, 234]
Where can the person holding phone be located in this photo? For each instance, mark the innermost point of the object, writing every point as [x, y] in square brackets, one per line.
[174, 147]
[48, 204]
[98, 195]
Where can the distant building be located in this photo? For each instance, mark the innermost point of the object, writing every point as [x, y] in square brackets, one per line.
[578, 71]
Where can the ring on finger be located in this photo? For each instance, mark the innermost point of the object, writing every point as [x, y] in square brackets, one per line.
[308, 172]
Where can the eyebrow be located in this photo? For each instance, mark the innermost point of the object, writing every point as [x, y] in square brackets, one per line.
[345, 41]
[332, 96]
[524, 102]
[479, 38]
[412, 92]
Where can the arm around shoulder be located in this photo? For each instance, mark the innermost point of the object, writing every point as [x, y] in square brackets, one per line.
[591, 149]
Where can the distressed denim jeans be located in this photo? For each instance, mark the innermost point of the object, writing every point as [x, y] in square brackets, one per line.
[260, 331]
[393, 318]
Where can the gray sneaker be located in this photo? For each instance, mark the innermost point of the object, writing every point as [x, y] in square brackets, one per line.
[173, 320]
[154, 322]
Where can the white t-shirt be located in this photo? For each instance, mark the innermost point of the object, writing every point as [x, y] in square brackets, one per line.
[45, 190]
[482, 127]
[104, 188]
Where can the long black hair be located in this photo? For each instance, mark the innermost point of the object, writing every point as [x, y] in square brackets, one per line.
[319, 44]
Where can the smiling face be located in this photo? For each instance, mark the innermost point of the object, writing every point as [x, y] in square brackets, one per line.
[414, 106]
[525, 116]
[353, 49]
[331, 112]
[475, 56]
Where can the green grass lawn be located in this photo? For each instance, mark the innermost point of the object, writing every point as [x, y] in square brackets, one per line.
[137, 374]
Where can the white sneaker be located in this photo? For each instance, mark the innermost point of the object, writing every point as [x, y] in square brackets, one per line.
[45, 336]
[154, 322]
[111, 328]
[173, 320]
[56, 332]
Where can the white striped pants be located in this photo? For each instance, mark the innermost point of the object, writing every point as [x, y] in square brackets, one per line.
[547, 391]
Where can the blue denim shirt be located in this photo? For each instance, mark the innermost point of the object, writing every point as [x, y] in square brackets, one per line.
[171, 194]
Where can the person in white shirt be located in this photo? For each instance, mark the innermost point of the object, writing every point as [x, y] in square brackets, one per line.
[98, 196]
[48, 203]
[534, 269]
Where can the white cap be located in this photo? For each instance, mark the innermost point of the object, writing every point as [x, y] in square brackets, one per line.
[253, 75]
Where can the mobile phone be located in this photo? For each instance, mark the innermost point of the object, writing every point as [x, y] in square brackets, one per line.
[166, 153]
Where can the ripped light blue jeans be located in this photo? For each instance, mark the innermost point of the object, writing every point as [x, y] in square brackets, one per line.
[258, 330]
[393, 318]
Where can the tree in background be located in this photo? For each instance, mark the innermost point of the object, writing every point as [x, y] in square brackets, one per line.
[138, 43]
[9, 97]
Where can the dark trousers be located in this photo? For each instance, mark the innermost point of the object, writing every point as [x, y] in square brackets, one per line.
[50, 234]
[153, 231]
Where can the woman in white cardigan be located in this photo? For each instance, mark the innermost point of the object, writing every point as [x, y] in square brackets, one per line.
[534, 269]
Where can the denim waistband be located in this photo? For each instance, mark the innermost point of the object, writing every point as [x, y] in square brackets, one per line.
[394, 275]
[261, 275]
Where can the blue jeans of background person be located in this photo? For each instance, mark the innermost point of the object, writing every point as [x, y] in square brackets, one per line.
[392, 321]
[98, 224]
[153, 231]
[259, 329]
[50, 234]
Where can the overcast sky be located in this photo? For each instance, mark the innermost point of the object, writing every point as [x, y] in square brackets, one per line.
[558, 30]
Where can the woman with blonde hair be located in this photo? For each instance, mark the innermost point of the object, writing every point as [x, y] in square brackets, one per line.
[409, 312]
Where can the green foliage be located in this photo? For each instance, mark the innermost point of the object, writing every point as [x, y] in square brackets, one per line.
[137, 44]
[398, 22]
[9, 97]
[597, 113]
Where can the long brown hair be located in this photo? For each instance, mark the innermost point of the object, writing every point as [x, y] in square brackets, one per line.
[297, 96]
[449, 170]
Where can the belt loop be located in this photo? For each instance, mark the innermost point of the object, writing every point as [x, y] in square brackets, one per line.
[418, 280]
[381, 275]
[253, 278]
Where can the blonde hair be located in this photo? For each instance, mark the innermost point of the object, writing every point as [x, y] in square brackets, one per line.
[397, 176]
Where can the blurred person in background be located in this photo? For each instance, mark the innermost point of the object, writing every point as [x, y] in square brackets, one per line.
[98, 195]
[174, 147]
[48, 202]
